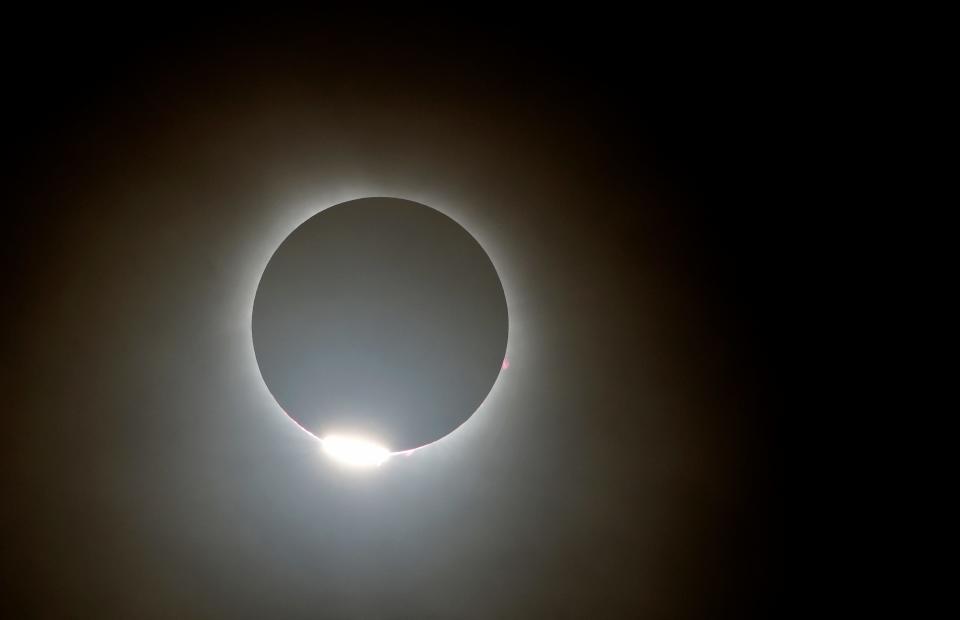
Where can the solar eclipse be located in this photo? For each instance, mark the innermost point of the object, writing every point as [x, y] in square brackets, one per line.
[379, 325]
[210, 318]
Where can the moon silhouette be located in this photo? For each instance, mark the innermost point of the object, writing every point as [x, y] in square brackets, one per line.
[380, 317]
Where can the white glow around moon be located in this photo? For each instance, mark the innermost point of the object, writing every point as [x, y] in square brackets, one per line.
[355, 451]
[279, 222]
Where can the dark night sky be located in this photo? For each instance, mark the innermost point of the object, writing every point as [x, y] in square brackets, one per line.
[626, 465]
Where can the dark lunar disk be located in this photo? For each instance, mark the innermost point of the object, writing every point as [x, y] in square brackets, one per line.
[380, 317]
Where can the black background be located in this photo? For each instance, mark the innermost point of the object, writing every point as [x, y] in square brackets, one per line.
[623, 173]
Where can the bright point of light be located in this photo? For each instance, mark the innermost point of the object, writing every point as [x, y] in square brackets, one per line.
[355, 451]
